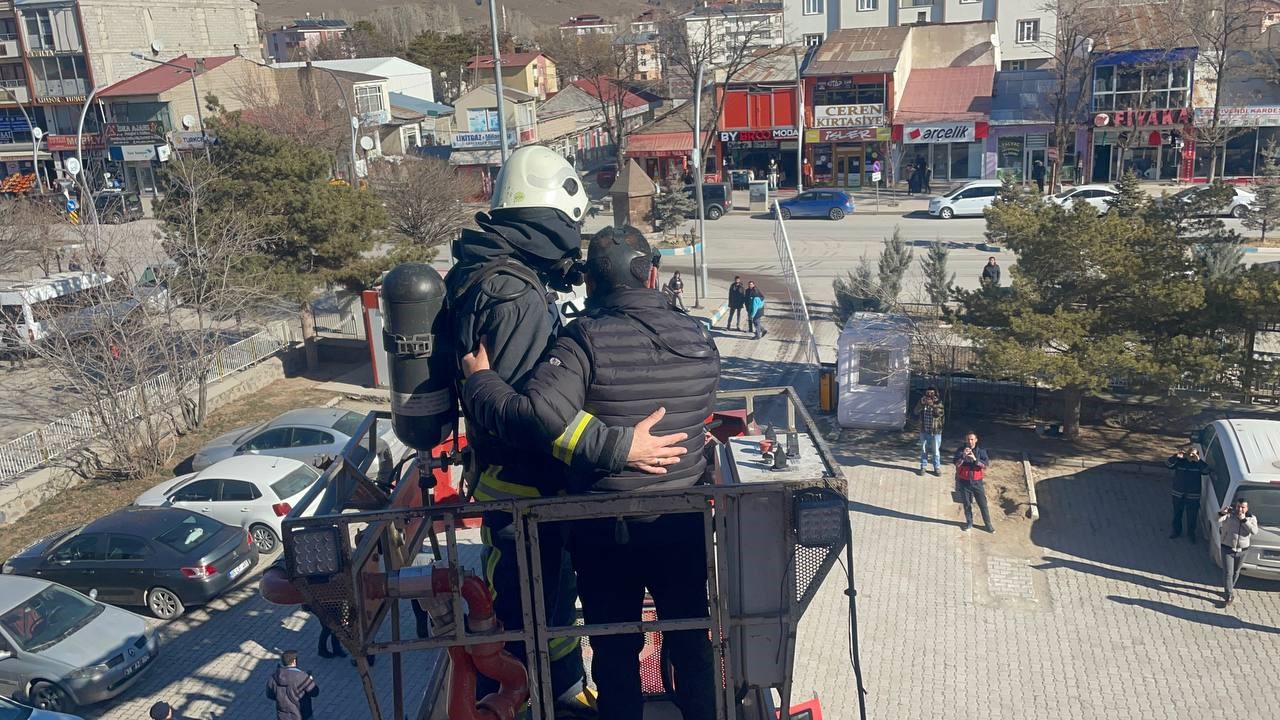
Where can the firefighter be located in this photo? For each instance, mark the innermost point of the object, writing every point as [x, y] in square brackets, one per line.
[500, 290]
[629, 356]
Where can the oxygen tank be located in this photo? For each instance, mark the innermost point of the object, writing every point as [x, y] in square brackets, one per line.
[424, 404]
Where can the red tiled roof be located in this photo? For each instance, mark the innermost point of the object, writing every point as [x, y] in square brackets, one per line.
[160, 78]
[952, 93]
[485, 62]
[603, 88]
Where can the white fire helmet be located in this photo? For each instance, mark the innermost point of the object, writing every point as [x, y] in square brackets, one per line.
[536, 176]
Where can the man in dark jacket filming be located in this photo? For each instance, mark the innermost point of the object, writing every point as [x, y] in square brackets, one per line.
[601, 375]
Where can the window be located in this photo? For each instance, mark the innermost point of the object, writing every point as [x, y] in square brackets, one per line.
[78, 549]
[1014, 65]
[813, 7]
[813, 40]
[864, 5]
[127, 547]
[875, 367]
[190, 532]
[269, 440]
[239, 491]
[1028, 31]
[198, 491]
[368, 99]
[306, 437]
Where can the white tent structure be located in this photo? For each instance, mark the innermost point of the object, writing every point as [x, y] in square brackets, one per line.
[873, 371]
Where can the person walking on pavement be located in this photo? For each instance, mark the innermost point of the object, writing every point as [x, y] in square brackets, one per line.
[930, 412]
[292, 688]
[990, 273]
[1236, 524]
[971, 463]
[629, 356]
[755, 311]
[1037, 174]
[1187, 471]
[675, 289]
[737, 300]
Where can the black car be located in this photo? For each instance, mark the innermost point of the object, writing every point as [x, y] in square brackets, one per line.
[115, 208]
[161, 557]
[717, 199]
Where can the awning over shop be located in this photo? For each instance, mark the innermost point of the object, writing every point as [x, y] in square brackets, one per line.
[669, 144]
[947, 94]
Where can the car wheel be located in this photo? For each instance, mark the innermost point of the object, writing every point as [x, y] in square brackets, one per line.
[946, 213]
[786, 214]
[264, 538]
[47, 696]
[714, 212]
[836, 214]
[1238, 212]
[164, 603]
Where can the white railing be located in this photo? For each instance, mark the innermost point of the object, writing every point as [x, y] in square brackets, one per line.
[65, 435]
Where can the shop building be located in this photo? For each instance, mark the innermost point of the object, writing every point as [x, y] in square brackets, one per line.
[758, 124]
[851, 90]
[1142, 119]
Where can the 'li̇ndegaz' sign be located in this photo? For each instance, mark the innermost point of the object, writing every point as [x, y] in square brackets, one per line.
[137, 133]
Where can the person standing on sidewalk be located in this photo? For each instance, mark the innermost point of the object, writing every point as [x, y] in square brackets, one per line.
[755, 310]
[737, 300]
[1237, 524]
[971, 464]
[675, 288]
[929, 412]
[292, 688]
[1187, 468]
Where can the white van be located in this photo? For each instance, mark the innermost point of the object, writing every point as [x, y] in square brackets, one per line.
[1244, 463]
[968, 199]
[24, 306]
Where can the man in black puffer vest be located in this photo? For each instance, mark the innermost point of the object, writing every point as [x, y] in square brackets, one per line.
[630, 355]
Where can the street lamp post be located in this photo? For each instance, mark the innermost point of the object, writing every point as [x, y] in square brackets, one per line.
[35, 132]
[195, 65]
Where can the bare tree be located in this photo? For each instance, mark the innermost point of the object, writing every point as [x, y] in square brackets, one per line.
[425, 199]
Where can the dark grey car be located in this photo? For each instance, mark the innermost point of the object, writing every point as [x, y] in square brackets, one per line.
[162, 558]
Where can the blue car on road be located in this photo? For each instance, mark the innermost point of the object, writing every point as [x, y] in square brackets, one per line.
[833, 204]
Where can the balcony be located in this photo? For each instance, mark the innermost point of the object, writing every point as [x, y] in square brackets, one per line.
[14, 89]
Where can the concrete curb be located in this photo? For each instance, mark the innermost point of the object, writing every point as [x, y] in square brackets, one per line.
[686, 250]
[1034, 510]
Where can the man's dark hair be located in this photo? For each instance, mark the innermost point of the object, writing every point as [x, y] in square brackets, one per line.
[289, 657]
[618, 258]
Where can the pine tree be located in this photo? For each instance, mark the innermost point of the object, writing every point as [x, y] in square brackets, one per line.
[895, 259]
[937, 281]
[674, 206]
[1131, 200]
[1264, 214]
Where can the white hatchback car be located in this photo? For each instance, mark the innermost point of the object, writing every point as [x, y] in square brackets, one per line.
[254, 492]
[968, 199]
[1099, 196]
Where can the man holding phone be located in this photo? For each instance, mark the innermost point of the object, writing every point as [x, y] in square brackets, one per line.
[1237, 524]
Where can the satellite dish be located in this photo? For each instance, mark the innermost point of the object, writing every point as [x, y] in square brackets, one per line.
[366, 143]
[157, 47]
[188, 122]
[72, 165]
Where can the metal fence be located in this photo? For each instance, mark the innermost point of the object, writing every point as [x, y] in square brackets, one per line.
[65, 435]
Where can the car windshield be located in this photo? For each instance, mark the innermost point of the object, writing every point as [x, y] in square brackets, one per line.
[190, 532]
[1264, 502]
[295, 482]
[47, 617]
[348, 424]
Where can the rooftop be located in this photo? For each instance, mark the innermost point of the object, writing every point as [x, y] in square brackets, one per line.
[161, 78]
[859, 50]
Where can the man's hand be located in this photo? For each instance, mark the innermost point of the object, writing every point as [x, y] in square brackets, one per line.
[651, 454]
[473, 363]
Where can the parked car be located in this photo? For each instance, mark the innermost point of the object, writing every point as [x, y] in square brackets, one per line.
[60, 649]
[717, 199]
[10, 710]
[252, 491]
[1240, 202]
[1244, 464]
[162, 558]
[606, 176]
[833, 204]
[969, 199]
[313, 435]
[1099, 196]
[115, 208]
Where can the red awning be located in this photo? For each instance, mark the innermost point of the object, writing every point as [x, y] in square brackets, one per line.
[947, 94]
[672, 144]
